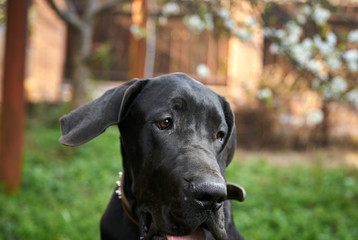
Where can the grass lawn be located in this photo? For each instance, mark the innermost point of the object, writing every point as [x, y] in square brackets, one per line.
[65, 191]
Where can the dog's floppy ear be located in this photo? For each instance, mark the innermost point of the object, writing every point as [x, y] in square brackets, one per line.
[235, 192]
[90, 120]
[230, 144]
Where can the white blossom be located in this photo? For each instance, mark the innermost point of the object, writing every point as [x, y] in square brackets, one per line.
[353, 36]
[203, 70]
[274, 48]
[243, 34]
[301, 18]
[293, 28]
[339, 84]
[137, 31]
[286, 44]
[301, 54]
[194, 22]
[280, 33]
[274, 33]
[327, 91]
[171, 8]
[331, 39]
[320, 15]
[268, 32]
[314, 66]
[264, 93]
[353, 97]
[333, 61]
[224, 13]
[306, 9]
[289, 119]
[307, 43]
[294, 32]
[351, 57]
[230, 24]
[353, 66]
[250, 22]
[324, 47]
[314, 116]
[335, 88]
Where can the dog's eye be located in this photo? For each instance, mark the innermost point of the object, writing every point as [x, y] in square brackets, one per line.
[165, 124]
[220, 136]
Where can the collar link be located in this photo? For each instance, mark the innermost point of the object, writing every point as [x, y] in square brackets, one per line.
[124, 201]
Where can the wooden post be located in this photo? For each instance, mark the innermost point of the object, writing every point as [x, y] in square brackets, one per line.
[137, 46]
[13, 109]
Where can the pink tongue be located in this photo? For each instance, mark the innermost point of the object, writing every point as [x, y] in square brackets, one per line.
[198, 234]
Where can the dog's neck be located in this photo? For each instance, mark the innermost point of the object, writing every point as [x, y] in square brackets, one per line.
[125, 204]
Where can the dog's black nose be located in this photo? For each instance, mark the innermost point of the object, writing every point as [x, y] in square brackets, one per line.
[209, 196]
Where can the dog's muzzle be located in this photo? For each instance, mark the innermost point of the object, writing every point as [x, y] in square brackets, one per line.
[207, 196]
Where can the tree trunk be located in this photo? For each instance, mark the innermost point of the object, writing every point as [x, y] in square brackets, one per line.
[13, 104]
[79, 18]
[325, 123]
[79, 63]
[137, 47]
[150, 43]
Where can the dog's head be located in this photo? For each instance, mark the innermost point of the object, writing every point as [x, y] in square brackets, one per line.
[177, 137]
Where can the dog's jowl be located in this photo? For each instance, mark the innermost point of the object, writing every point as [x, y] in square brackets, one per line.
[177, 137]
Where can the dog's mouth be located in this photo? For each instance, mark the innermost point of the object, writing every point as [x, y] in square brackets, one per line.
[184, 220]
[213, 224]
[198, 234]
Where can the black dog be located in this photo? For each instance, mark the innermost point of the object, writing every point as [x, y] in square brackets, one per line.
[177, 137]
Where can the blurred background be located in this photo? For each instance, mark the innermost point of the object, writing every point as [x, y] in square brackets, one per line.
[288, 68]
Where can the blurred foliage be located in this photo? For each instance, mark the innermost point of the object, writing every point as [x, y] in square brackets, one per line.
[3, 4]
[46, 114]
[101, 59]
[300, 201]
[66, 190]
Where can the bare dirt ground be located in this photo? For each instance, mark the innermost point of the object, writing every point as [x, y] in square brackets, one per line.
[331, 157]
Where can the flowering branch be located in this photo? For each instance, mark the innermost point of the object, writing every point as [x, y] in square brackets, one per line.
[333, 69]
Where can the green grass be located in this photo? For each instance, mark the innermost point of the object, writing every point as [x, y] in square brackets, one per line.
[297, 202]
[65, 191]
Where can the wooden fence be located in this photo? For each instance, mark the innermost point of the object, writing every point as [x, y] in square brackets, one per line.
[177, 50]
